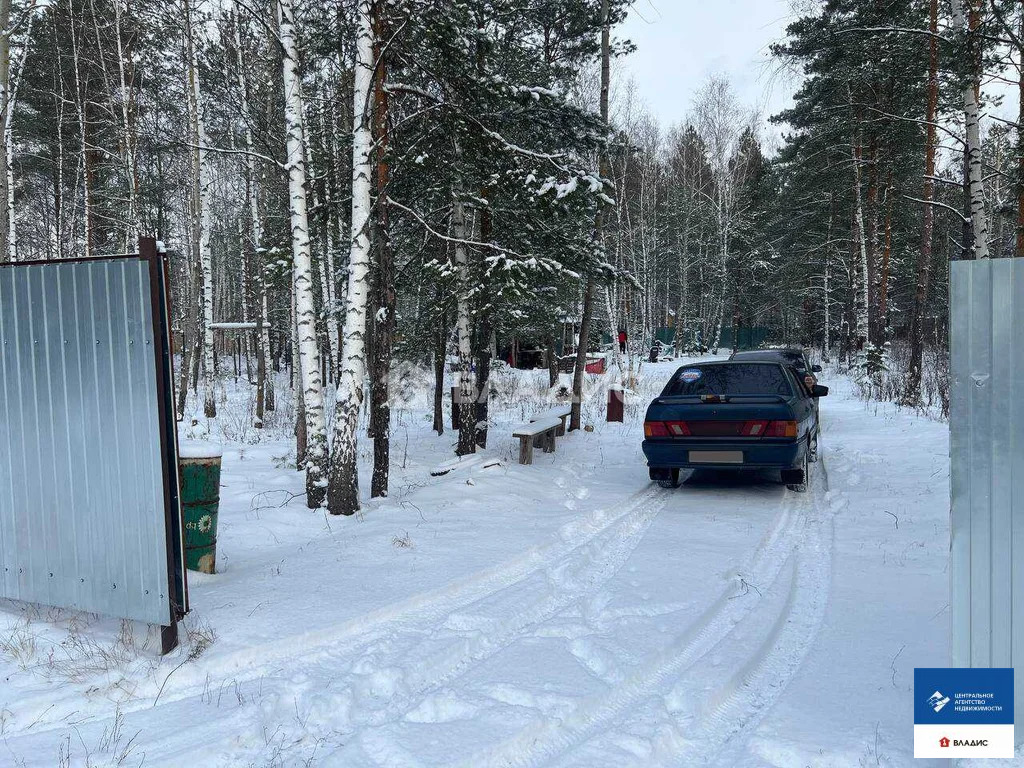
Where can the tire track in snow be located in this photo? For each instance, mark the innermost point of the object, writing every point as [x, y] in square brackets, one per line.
[542, 741]
[422, 610]
[583, 569]
[581, 572]
[729, 712]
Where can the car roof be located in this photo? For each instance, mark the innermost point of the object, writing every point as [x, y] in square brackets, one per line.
[730, 362]
[767, 354]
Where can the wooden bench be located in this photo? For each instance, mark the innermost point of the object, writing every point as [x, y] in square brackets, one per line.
[542, 430]
[558, 412]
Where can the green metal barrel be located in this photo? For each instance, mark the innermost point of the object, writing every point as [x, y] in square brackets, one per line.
[200, 498]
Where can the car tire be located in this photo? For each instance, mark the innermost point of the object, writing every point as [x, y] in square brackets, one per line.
[668, 478]
[812, 448]
[796, 479]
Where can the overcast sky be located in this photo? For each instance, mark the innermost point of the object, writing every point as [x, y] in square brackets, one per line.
[681, 42]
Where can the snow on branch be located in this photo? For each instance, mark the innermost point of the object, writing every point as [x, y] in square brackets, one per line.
[964, 219]
[448, 238]
[222, 151]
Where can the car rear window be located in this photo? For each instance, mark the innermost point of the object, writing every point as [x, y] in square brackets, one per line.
[734, 379]
[796, 359]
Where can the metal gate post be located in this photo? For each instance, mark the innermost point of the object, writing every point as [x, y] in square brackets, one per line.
[987, 465]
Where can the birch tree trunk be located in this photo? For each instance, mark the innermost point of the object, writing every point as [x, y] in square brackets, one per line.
[128, 138]
[264, 383]
[682, 310]
[343, 490]
[826, 341]
[860, 271]
[978, 248]
[14, 79]
[6, 108]
[310, 382]
[189, 329]
[721, 265]
[86, 153]
[575, 421]
[59, 102]
[466, 404]
[613, 329]
[203, 182]
[1019, 251]
[440, 358]
[329, 268]
[328, 353]
[485, 334]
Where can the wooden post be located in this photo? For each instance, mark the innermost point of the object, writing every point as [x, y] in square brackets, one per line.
[456, 422]
[616, 404]
[526, 450]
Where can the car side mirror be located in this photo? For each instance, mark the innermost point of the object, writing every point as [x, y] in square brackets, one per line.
[819, 391]
[815, 369]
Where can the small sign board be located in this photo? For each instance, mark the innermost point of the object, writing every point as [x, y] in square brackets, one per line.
[960, 712]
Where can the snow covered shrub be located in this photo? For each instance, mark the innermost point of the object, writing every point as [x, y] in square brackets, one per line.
[876, 359]
[885, 377]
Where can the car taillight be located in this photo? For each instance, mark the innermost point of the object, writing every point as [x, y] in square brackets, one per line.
[655, 429]
[780, 429]
[754, 428]
[666, 429]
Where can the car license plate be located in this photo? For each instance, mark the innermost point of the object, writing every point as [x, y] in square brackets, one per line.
[716, 457]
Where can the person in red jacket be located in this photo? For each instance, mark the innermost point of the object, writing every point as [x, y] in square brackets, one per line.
[622, 341]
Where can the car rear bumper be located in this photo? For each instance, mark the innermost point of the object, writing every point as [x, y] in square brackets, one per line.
[673, 454]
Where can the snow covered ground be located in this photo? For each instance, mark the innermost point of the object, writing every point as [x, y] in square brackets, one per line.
[567, 613]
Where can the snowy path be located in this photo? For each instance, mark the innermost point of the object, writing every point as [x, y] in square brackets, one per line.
[623, 624]
[673, 671]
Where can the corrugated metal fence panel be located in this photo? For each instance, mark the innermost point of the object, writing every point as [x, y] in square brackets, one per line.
[82, 503]
[987, 464]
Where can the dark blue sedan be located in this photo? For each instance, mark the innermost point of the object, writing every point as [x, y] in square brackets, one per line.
[733, 415]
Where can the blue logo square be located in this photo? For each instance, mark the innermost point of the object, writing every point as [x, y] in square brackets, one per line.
[960, 696]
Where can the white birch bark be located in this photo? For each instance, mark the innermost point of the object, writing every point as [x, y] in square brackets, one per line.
[128, 140]
[613, 329]
[860, 330]
[826, 342]
[57, 234]
[683, 308]
[84, 146]
[15, 72]
[266, 395]
[202, 195]
[328, 273]
[343, 492]
[321, 263]
[317, 459]
[6, 108]
[826, 336]
[972, 125]
[466, 405]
